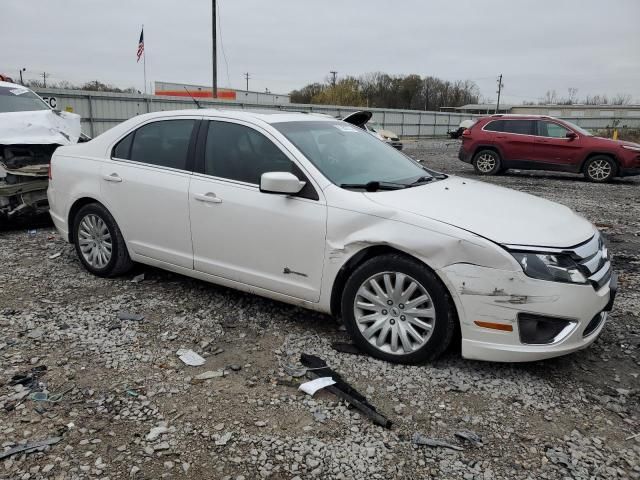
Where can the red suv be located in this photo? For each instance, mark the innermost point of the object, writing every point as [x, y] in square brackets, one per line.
[497, 143]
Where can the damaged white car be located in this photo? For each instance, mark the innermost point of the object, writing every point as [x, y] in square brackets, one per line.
[315, 212]
[30, 131]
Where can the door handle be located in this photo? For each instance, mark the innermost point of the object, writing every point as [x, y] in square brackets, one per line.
[208, 197]
[114, 177]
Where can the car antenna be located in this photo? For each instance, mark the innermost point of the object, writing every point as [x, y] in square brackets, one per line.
[193, 98]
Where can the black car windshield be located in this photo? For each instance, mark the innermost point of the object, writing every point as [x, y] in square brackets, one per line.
[20, 99]
[347, 155]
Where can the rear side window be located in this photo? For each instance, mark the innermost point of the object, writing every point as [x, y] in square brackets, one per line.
[164, 144]
[495, 126]
[123, 148]
[522, 127]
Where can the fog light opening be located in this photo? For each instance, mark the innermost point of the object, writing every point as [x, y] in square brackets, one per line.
[540, 330]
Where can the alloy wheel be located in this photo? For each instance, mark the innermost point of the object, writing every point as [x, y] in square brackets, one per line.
[94, 240]
[486, 163]
[394, 313]
[599, 169]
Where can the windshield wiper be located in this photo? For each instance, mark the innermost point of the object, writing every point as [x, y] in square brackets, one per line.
[423, 179]
[374, 186]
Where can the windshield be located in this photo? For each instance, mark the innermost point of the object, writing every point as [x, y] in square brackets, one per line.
[347, 155]
[20, 99]
[578, 129]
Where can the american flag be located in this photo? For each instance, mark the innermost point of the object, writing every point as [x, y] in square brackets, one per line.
[140, 45]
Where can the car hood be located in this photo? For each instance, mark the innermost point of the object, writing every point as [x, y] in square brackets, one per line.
[499, 214]
[41, 127]
[611, 142]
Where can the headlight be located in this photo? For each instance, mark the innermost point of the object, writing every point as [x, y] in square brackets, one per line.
[631, 147]
[555, 267]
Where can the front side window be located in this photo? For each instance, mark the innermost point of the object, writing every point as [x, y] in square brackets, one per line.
[551, 129]
[522, 127]
[347, 155]
[238, 152]
[164, 144]
[20, 99]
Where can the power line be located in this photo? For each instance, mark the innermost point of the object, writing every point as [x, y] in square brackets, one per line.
[214, 60]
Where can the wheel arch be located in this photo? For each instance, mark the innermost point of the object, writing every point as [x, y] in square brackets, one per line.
[75, 208]
[494, 148]
[591, 155]
[368, 253]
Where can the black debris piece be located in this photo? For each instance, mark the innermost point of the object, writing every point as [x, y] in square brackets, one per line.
[470, 437]
[346, 348]
[30, 447]
[30, 378]
[318, 368]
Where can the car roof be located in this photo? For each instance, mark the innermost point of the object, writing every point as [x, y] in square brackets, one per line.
[267, 116]
[12, 85]
[516, 116]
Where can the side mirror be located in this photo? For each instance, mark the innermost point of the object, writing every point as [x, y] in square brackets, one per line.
[572, 135]
[280, 182]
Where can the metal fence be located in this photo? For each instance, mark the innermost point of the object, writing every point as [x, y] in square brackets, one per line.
[101, 111]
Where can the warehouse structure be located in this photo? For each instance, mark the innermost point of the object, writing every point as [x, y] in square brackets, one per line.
[169, 89]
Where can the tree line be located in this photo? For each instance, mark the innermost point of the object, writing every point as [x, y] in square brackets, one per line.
[381, 90]
[551, 97]
[92, 86]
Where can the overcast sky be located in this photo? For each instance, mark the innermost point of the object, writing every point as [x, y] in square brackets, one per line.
[591, 45]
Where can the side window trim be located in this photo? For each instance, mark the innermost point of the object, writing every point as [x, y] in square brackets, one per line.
[191, 148]
[200, 154]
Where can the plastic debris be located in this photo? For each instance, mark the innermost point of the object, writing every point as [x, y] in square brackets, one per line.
[470, 437]
[310, 388]
[189, 357]
[30, 447]
[317, 367]
[28, 379]
[136, 317]
[419, 439]
[138, 278]
[55, 255]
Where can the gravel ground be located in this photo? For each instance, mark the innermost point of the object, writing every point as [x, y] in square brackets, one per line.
[122, 404]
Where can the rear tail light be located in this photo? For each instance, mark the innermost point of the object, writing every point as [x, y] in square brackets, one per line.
[466, 133]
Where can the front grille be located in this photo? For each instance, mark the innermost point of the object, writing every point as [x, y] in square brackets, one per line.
[593, 258]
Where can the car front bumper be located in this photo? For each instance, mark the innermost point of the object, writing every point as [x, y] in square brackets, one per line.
[395, 144]
[491, 296]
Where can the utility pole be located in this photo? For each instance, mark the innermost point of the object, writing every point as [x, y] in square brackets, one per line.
[214, 49]
[500, 87]
[44, 78]
[21, 80]
[247, 77]
[334, 75]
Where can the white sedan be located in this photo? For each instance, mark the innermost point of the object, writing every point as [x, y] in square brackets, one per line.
[315, 212]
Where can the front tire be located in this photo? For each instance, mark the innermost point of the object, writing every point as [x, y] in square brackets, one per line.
[487, 162]
[99, 242]
[600, 169]
[397, 310]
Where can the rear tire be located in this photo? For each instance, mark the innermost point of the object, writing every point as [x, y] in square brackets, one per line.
[99, 242]
[487, 162]
[397, 310]
[600, 169]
